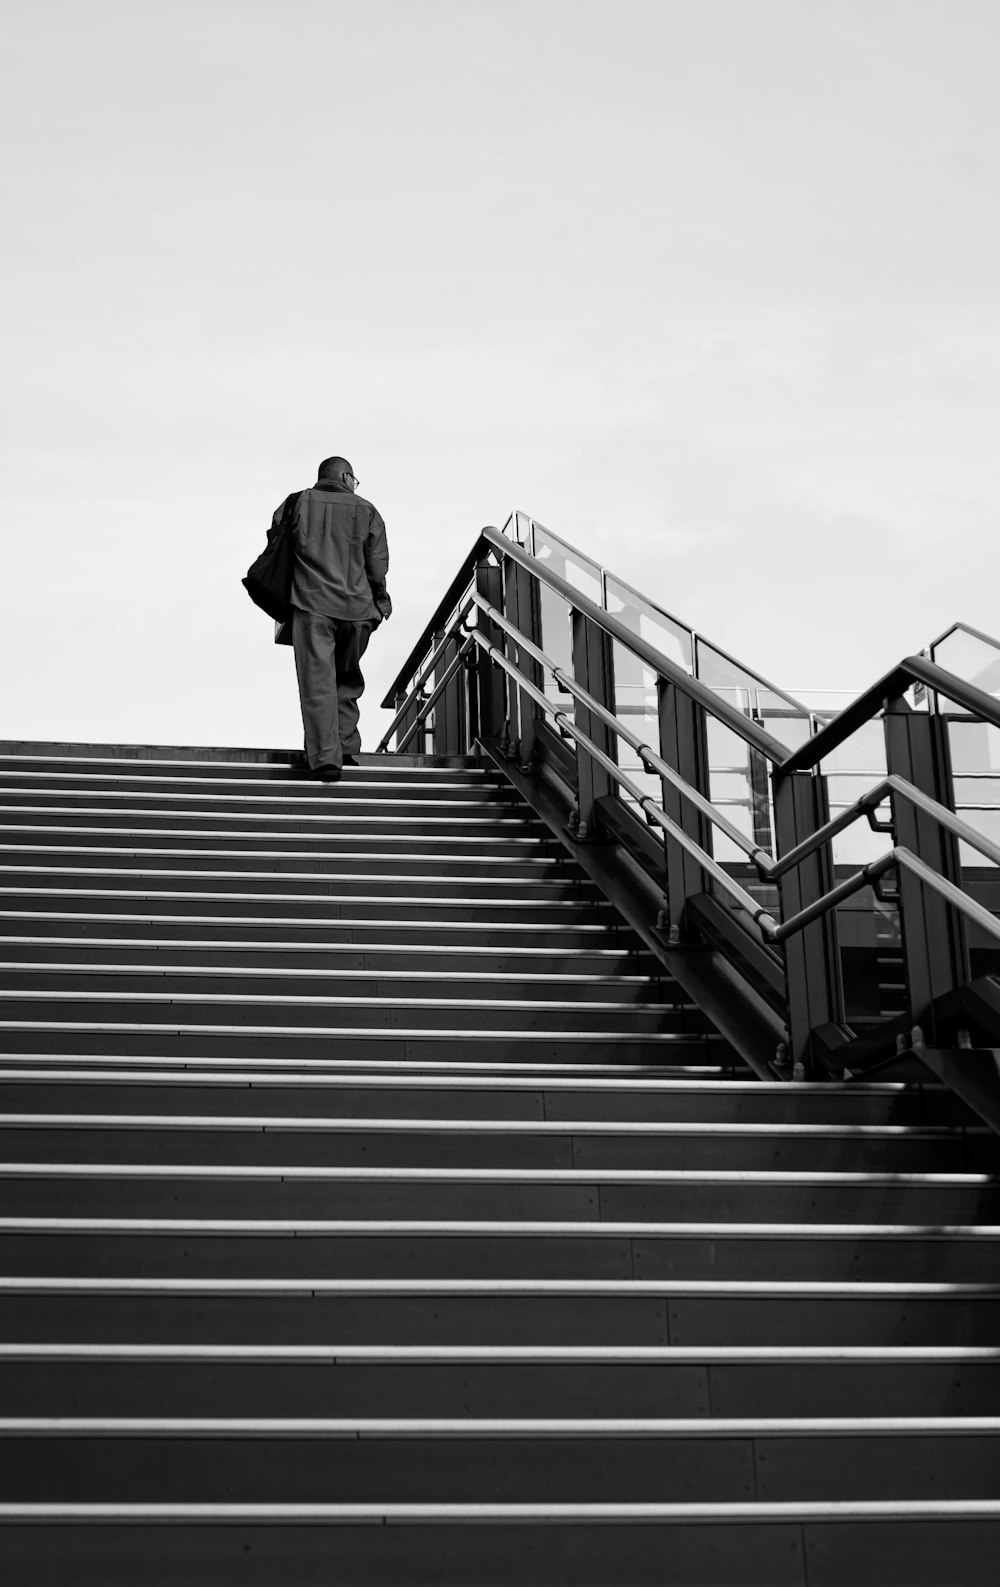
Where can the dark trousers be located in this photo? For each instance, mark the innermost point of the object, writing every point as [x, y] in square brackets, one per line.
[328, 653]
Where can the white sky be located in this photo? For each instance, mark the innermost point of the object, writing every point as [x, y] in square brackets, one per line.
[710, 287]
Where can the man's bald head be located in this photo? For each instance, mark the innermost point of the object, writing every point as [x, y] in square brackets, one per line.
[337, 468]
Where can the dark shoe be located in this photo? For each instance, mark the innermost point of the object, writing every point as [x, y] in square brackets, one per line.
[350, 761]
[327, 773]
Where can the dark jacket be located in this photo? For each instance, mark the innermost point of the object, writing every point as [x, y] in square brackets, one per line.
[340, 557]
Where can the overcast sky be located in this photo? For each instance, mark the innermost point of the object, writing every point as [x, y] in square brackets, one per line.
[709, 287]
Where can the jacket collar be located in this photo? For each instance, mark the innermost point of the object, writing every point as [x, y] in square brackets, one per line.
[333, 484]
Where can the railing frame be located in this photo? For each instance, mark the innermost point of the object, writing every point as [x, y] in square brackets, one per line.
[500, 693]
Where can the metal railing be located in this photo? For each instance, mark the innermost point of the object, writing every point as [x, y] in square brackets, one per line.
[483, 653]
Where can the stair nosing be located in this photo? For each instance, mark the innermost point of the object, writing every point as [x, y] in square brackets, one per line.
[494, 1229]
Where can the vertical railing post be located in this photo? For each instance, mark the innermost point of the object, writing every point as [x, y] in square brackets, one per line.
[522, 608]
[684, 747]
[491, 679]
[934, 939]
[449, 710]
[813, 971]
[593, 669]
[415, 746]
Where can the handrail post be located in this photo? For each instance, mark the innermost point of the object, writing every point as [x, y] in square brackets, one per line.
[813, 972]
[593, 669]
[492, 680]
[684, 747]
[407, 721]
[523, 607]
[450, 710]
[934, 937]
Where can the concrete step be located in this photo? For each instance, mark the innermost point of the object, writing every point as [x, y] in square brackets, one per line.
[134, 970]
[202, 1189]
[512, 868]
[284, 781]
[286, 1460]
[193, 761]
[67, 1310]
[223, 920]
[581, 966]
[73, 831]
[327, 902]
[573, 1381]
[499, 1095]
[317, 877]
[273, 1138]
[304, 1044]
[328, 801]
[91, 995]
[243, 1247]
[871, 1543]
[306, 822]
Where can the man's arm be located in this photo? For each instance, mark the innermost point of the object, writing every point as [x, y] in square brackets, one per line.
[377, 563]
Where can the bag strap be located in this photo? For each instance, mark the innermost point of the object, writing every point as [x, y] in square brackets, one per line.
[288, 512]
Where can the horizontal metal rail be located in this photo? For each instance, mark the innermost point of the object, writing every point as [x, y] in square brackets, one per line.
[425, 673]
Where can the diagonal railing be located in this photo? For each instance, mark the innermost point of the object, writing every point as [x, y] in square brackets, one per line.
[478, 673]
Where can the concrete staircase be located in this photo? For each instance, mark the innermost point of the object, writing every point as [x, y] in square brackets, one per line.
[375, 1210]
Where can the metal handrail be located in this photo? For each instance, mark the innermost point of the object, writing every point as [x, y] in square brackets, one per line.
[439, 689]
[808, 1002]
[841, 727]
[769, 869]
[490, 538]
[647, 756]
[867, 804]
[696, 638]
[425, 673]
[771, 930]
[757, 913]
[954, 895]
[912, 669]
[743, 726]
[457, 589]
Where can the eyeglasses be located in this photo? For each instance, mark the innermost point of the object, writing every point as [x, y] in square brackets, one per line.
[355, 480]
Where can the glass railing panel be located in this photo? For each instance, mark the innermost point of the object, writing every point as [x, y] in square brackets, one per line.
[983, 789]
[824, 702]
[568, 564]
[790, 728]
[985, 821]
[556, 639]
[975, 763]
[730, 787]
[636, 708]
[862, 753]
[656, 627]
[717, 671]
[975, 746]
[971, 657]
